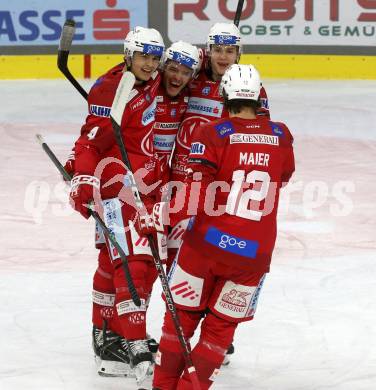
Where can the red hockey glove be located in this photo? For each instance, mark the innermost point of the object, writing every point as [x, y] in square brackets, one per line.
[148, 223]
[82, 193]
[69, 166]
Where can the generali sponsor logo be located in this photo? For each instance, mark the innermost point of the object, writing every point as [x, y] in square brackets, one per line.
[241, 138]
[235, 300]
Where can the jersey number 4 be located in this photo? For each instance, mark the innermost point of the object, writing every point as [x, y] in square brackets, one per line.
[238, 201]
[93, 133]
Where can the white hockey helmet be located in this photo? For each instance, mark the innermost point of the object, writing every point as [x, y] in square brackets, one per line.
[185, 54]
[144, 40]
[241, 82]
[224, 34]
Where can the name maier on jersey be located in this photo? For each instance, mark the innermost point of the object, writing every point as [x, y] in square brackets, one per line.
[261, 159]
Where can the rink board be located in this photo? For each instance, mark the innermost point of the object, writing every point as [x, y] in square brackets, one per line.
[270, 65]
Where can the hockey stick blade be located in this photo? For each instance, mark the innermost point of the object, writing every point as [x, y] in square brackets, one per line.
[67, 34]
[65, 44]
[63, 54]
[121, 98]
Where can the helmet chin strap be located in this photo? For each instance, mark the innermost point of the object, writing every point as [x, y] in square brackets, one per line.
[128, 62]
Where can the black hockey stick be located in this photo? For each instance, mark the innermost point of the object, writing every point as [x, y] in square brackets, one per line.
[117, 110]
[63, 54]
[238, 12]
[98, 219]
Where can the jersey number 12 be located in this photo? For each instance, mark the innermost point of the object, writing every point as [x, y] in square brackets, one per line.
[239, 200]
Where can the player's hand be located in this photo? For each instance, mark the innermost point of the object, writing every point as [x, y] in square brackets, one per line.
[69, 166]
[82, 193]
[152, 221]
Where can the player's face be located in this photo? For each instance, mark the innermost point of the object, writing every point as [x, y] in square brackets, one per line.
[143, 65]
[221, 57]
[175, 77]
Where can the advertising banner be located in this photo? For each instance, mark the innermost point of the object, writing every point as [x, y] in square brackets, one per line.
[279, 22]
[98, 22]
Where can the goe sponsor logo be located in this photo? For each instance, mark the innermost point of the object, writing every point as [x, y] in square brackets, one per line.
[227, 240]
[153, 49]
[225, 39]
[182, 59]
[229, 243]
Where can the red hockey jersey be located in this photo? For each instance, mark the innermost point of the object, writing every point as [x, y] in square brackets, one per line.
[205, 105]
[96, 151]
[244, 164]
[168, 117]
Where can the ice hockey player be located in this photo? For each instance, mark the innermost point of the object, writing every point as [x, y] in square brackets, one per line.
[180, 64]
[223, 49]
[98, 169]
[243, 160]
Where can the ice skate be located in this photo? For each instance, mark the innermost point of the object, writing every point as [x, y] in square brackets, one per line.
[229, 352]
[152, 343]
[141, 360]
[97, 342]
[111, 353]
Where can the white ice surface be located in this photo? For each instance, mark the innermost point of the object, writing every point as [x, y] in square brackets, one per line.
[315, 325]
